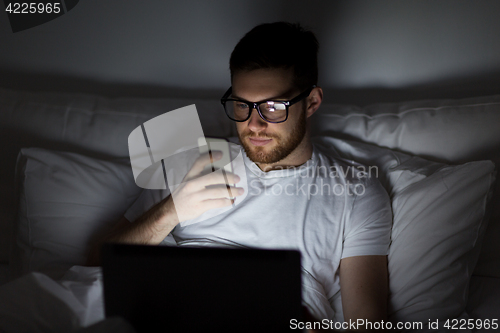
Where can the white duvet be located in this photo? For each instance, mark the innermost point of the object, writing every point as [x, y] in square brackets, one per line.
[37, 303]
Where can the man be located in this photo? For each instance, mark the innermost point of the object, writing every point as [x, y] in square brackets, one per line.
[343, 234]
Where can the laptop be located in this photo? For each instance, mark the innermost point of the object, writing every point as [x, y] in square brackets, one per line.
[182, 289]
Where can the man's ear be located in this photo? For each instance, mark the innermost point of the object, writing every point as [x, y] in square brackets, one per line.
[314, 101]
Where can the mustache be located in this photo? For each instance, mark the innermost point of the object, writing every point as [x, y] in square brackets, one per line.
[258, 136]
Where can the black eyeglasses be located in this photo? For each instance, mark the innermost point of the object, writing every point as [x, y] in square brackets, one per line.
[269, 110]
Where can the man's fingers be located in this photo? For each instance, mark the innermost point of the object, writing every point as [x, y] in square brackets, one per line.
[216, 203]
[214, 178]
[218, 177]
[218, 192]
[202, 161]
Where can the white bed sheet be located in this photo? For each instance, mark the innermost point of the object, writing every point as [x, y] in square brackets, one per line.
[37, 303]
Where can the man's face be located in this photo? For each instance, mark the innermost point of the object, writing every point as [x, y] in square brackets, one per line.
[265, 142]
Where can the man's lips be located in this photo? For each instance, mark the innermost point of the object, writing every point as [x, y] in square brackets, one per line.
[259, 141]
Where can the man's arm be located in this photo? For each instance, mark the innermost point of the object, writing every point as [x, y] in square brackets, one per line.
[195, 196]
[364, 288]
[151, 228]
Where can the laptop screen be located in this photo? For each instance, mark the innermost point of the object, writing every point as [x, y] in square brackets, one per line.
[181, 289]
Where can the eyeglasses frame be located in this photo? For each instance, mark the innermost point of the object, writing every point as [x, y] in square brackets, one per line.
[255, 105]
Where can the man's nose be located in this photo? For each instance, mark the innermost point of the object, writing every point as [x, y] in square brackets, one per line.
[256, 123]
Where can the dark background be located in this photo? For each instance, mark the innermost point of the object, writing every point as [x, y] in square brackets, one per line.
[371, 51]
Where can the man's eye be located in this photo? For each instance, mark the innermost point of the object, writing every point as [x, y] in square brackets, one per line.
[241, 106]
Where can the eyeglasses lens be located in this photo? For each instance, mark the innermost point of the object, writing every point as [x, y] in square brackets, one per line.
[271, 111]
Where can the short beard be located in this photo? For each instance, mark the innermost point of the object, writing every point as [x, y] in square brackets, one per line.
[283, 148]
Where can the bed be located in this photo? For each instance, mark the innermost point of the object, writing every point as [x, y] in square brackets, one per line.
[67, 177]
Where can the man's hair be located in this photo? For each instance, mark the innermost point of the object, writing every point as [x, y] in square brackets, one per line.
[280, 45]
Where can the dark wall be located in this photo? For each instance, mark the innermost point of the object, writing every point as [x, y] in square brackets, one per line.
[372, 50]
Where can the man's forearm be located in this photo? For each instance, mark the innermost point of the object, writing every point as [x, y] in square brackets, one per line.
[151, 228]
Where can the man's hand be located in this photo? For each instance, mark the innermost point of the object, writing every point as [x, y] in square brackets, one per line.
[199, 193]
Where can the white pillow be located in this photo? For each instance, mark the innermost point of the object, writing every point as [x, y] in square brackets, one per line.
[437, 227]
[445, 130]
[65, 199]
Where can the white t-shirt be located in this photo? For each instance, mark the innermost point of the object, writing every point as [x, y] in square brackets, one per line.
[328, 209]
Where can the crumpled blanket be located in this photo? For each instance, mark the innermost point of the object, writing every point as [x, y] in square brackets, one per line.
[36, 303]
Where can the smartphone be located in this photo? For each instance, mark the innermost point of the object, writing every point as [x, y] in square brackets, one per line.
[225, 163]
